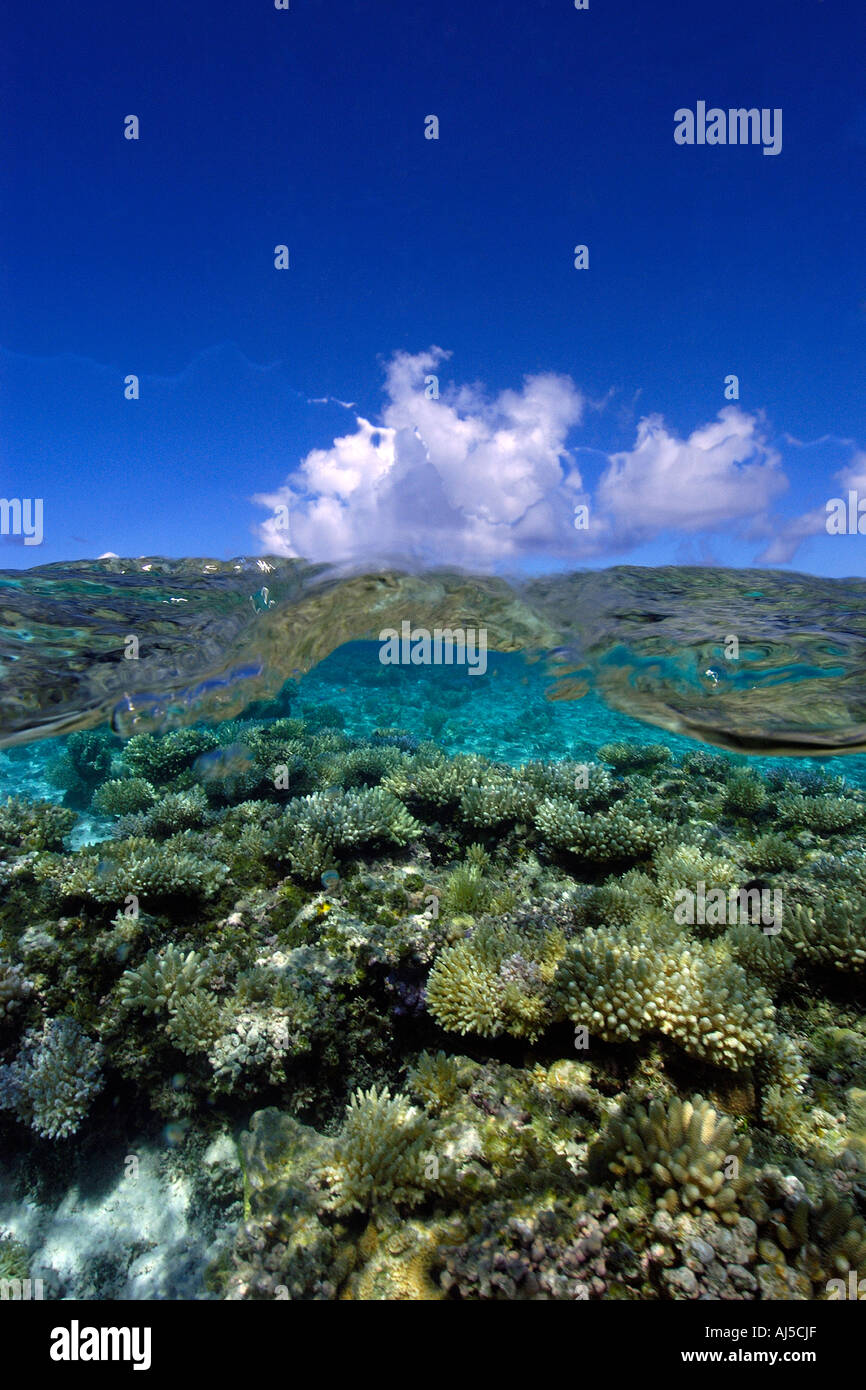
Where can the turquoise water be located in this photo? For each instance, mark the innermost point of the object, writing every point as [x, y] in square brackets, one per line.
[506, 714]
[325, 978]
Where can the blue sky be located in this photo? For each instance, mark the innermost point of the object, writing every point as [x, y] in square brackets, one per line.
[558, 387]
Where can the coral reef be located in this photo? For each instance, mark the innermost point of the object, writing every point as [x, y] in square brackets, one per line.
[620, 986]
[686, 1152]
[289, 920]
[383, 1154]
[53, 1079]
[495, 980]
[83, 763]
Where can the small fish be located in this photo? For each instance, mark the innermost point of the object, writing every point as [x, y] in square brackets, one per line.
[175, 1132]
[567, 689]
[329, 878]
[220, 763]
[262, 601]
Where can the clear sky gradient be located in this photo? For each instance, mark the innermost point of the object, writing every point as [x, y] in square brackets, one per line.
[560, 387]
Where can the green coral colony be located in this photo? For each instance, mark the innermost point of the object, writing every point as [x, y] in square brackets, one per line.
[451, 1010]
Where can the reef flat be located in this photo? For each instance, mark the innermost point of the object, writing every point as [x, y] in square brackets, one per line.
[396, 1023]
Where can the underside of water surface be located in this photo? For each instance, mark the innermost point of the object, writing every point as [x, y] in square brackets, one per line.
[431, 936]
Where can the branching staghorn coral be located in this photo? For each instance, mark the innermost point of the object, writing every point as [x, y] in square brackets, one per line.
[760, 953]
[496, 980]
[684, 867]
[806, 780]
[626, 831]
[771, 852]
[123, 796]
[195, 1019]
[32, 825]
[496, 799]
[83, 763]
[488, 794]
[466, 891]
[161, 759]
[621, 986]
[53, 1079]
[619, 899]
[825, 815]
[476, 857]
[626, 757]
[311, 855]
[716, 767]
[435, 782]
[162, 980]
[383, 1154]
[589, 784]
[831, 933]
[144, 868]
[344, 820]
[365, 767]
[745, 795]
[170, 814]
[434, 1080]
[685, 1150]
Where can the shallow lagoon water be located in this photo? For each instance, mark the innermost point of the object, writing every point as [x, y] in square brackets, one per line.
[380, 981]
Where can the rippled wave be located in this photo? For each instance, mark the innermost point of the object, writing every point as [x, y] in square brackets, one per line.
[151, 644]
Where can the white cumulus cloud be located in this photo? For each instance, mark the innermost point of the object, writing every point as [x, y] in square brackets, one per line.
[462, 478]
[723, 472]
[467, 478]
[789, 536]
